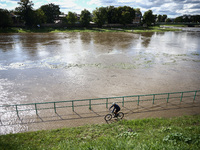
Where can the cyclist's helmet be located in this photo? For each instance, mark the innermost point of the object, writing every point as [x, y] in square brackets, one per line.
[113, 103]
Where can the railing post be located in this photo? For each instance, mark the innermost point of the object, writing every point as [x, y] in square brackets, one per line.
[72, 105]
[138, 99]
[55, 107]
[17, 111]
[36, 109]
[123, 102]
[153, 98]
[106, 102]
[90, 104]
[181, 97]
[195, 95]
[168, 98]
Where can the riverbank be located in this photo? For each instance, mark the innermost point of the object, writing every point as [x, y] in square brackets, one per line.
[155, 133]
[54, 30]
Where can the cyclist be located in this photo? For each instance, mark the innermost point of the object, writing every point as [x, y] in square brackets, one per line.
[116, 109]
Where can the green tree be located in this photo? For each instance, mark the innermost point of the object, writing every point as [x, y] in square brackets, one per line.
[26, 11]
[178, 19]
[6, 19]
[159, 18]
[168, 20]
[164, 17]
[85, 17]
[186, 19]
[196, 18]
[112, 14]
[40, 17]
[100, 16]
[127, 15]
[138, 12]
[51, 11]
[123, 15]
[71, 18]
[148, 17]
[155, 17]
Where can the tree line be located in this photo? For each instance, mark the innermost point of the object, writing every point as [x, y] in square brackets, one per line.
[111, 15]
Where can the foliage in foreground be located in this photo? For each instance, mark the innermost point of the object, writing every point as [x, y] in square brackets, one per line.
[175, 133]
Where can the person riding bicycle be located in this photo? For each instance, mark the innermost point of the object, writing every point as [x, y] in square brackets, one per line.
[116, 109]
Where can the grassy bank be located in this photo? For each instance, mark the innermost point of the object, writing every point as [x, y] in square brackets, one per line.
[175, 133]
[54, 30]
[173, 25]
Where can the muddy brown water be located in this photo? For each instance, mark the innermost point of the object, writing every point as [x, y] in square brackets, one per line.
[48, 67]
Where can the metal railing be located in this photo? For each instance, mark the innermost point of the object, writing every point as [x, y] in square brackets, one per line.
[180, 96]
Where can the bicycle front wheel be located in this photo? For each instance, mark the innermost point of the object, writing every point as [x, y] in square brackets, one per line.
[120, 115]
[108, 117]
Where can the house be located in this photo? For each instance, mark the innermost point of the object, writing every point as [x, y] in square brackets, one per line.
[15, 18]
[137, 19]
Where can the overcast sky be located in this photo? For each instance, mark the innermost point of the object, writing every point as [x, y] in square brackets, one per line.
[172, 8]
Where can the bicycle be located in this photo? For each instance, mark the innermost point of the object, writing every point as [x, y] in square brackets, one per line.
[109, 116]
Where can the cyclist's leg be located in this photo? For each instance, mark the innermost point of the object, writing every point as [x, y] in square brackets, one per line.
[114, 112]
[117, 110]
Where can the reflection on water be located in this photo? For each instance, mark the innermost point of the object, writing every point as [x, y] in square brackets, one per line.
[189, 29]
[146, 38]
[43, 67]
[34, 47]
[95, 51]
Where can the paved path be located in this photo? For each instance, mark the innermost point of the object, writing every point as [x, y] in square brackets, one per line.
[82, 116]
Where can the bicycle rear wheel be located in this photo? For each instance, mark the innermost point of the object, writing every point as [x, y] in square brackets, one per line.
[108, 117]
[120, 115]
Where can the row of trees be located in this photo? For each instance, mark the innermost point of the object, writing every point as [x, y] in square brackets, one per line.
[188, 18]
[6, 19]
[48, 13]
[102, 15]
[45, 14]
[111, 15]
[29, 16]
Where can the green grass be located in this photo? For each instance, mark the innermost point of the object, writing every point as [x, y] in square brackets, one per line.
[173, 25]
[152, 29]
[55, 30]
[180, 133]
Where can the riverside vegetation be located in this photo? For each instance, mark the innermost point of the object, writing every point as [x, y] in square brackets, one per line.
[178, 133]
[83, 29]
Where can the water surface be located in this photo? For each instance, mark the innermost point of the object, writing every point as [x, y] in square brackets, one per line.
[44, 67]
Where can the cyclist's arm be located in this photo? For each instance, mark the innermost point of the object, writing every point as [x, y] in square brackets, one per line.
[111, 107]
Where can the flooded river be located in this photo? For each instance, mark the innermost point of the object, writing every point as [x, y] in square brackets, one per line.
[47, 67]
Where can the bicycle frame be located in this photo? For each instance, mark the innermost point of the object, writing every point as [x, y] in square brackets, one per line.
[111, 115]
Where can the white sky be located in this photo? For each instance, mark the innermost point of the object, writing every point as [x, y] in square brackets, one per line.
[172, 8]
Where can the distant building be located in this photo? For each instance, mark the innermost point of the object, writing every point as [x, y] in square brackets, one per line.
[60, 18]
[15, 18]
[137, 19]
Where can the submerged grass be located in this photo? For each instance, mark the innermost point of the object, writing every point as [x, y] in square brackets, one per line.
[81, 29]
[161, 133]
